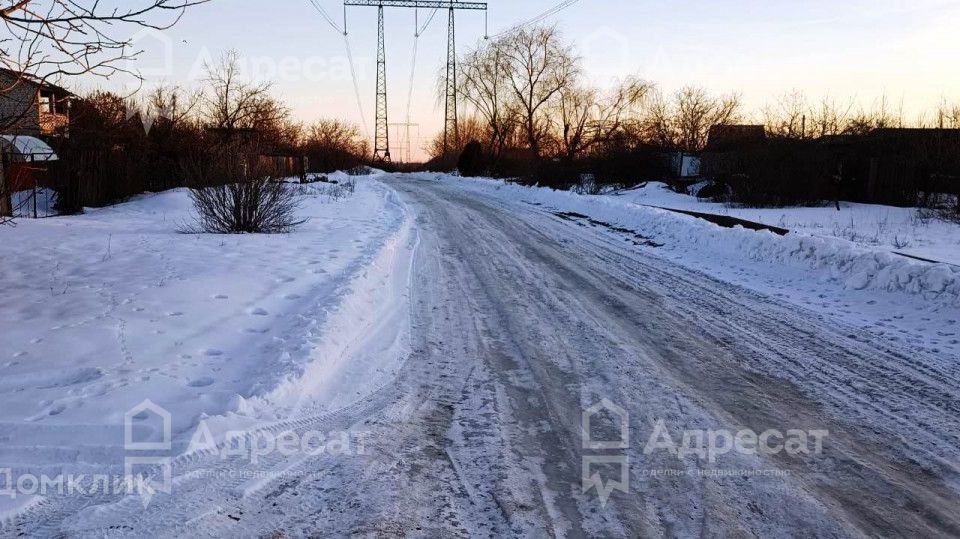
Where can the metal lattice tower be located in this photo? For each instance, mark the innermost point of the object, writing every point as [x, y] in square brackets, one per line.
[381, 145]
[450, 129]
[451, 135]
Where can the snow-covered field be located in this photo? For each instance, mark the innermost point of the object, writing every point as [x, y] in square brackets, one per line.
[104, 310]
[887, 228]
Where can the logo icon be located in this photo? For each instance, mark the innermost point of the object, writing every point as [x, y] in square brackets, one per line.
[593, 479]
[150, 455]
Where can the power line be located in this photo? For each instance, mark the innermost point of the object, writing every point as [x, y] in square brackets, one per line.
[545, 15]
[356, 86]
[353, 70]
[326, 16]
[426, 24]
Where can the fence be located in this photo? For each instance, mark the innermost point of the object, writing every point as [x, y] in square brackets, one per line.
[35, 187]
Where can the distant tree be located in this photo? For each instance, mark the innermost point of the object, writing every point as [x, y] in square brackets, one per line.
[589, 117]
[684, 120]
[334, 144]
[485, 84]
[878, 116]
[232, 103]
[471, 128]
[541, 66]
[829, 118]
[787, 117]
[173, 104]
[697, 111]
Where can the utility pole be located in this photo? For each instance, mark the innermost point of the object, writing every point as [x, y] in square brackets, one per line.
[450, 129]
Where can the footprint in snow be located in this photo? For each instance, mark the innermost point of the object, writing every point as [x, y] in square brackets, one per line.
[201, 382]
[259, 312]
[212, 352]
[221, 296]
[175, 313]
[291, 296]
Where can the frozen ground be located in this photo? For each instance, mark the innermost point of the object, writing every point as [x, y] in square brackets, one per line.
[526, 307]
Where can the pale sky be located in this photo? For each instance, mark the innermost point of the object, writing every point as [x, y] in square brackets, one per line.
[906, 50]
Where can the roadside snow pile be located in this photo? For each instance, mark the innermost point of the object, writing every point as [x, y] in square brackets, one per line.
[104, 310]
[835, 259]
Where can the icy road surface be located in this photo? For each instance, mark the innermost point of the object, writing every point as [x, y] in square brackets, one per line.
[521, 320]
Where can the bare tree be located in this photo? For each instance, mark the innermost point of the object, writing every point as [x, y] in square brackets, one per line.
[541, 65]
[787, 118]
[485, 84]
[50, 40]
[878, 116]
[330, 134]
[697, 111]
[174, 104]
[829, 117]
[333, 144]
[684, 120]
[471, 129]
[588, 117]
[947, 115]
[232, 103]
[657, 124]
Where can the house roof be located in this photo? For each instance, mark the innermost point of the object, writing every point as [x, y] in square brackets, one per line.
[33, 80]
[728, 137]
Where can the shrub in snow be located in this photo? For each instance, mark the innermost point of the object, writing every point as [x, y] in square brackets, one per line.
[258, 206]
[587, 185]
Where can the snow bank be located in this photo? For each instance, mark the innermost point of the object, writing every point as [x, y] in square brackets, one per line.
[836, 259]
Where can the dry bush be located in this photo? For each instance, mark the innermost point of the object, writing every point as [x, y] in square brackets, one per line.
[260, 206]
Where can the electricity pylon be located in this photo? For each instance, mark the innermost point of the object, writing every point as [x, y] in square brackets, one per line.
[408, 146]
[451, 134]
[450, 130]
[381, 143]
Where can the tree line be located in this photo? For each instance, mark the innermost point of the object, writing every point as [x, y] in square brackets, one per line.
[226, 130]
[530, 112]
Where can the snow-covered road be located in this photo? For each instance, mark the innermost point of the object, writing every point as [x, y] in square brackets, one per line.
[521, 320]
